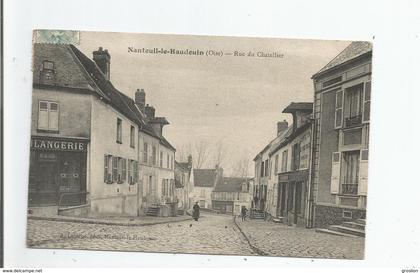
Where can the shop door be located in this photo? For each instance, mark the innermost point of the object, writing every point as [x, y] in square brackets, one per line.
[70, 190]
[298, 201]
[282, 200]
[46, 188]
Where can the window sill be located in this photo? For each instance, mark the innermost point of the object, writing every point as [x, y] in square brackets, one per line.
[119, 142]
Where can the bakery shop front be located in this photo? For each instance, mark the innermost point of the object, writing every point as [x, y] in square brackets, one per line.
[57, 173]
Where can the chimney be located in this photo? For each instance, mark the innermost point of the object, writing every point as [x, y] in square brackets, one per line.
[103, 61]
[149, 111]
[281, 126]
[140, 99]
[190, 161]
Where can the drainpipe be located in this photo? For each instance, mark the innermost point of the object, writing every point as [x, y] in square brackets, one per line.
[310, 202]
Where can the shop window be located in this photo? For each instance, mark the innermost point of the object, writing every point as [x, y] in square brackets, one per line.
[48, 113]
[132, 134]
[119, 130]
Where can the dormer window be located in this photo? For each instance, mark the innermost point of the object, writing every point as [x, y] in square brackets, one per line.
[47, 72]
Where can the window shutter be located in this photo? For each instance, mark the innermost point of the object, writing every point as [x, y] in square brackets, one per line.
[114, 169]
[335, 173]
[136, 172]
[124, 169]
[53, 117]
[43, 115]
[338, 109]
[105, 168]
[363, 173]
[366, 102]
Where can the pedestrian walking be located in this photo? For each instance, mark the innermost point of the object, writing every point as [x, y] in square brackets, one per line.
[243, 213]
[196, 211]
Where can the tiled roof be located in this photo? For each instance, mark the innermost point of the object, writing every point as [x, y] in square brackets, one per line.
[73, 69]
[303, 106]
[182, 165]
[205, 177]
[352, 51]
[230, 184]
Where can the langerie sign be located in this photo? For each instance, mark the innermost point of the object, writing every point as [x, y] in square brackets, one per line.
[58, 144]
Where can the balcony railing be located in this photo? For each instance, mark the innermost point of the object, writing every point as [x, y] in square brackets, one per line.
[350, 189]
[353, 121]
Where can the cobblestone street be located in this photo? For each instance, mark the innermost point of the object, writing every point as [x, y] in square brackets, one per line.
[212, 234]
[287, 241]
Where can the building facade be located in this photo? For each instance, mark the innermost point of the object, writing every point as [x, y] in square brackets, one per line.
[204, 183]
[231, 194]
[85, 137]
[341, 136]
[291, 157]
[183, 182]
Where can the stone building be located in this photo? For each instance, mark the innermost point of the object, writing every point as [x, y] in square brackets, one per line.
[341, 136]
[86, 137]
[184, 179]
[231, 194]
[204, 182]
[291, 160]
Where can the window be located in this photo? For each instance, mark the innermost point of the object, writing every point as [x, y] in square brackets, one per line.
[266, 168]
[167, 161]
[154, 161]
[284, 161]
[132, 134]
[161, 159]
[135, 172]
[145, 152]
[130, 172]
[338, 109]
[119, 130]
[172, 162]
[47, 72]
[48, 113]
[120, 178]
[107, 169]
[295, 156]
[262, 169]
[350, 172]
[114, 169]
[276, 164]
[366, 103]
[353, 105]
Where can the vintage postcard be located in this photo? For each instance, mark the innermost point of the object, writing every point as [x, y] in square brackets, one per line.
[199, 144]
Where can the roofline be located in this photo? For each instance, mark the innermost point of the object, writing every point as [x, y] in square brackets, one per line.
[336, 67]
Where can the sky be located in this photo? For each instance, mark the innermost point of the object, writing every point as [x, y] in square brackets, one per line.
[224, 101]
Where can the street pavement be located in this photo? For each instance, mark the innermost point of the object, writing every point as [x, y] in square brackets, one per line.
[212, 234]
[282, 240]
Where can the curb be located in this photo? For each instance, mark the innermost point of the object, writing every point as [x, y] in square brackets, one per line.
[88, 221]
[254, 248]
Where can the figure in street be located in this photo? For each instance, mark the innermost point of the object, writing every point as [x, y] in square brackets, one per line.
[243, 213]
[196, 211]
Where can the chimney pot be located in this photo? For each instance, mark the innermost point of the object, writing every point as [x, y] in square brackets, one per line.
[103, 61]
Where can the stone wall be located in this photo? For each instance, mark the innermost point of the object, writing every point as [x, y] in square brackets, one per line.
[332, 215]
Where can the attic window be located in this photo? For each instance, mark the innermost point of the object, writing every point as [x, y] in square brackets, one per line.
[47, 72]
[48, 65]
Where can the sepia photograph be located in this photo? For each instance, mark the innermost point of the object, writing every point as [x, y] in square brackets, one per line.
[199, 144]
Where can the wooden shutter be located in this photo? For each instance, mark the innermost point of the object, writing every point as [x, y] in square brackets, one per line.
[338, 109]
[124, 169]
[135, 171]
[106, 166]
[53, 116]
[114, 168]
[335, 173]
[366, 102]
[43, 115]
[363, 172]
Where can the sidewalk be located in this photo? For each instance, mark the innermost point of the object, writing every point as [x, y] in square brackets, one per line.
[274, 239]
[118, 221]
